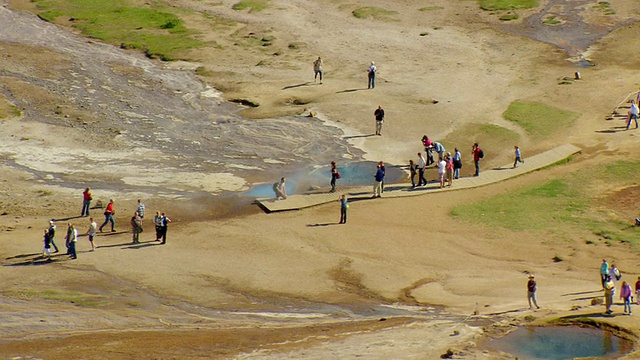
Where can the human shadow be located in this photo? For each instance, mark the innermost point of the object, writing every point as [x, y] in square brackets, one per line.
[113, 233]
[613, 130]
[349, 90]
[38, 260]
[143, 244]
[583, 293]
[358, 136]
[126, 244]
[594, 315]
[22, 256]
[296, 85]
[323, 224]
[70, 218]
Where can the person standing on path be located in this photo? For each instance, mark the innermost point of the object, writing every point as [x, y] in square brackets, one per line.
[52, 235]
[140, 210]
[604, 271]
[449, 169]
[68, 237]
[442, 169]
[518, 157]
[108, 216]
[379, 114]
[384, 173]
[334, 176]
[625, 295]
[421, 167]
[157, 220]
[72, 240]
[532, 288]
[412, 173]
[280, 189]
[86, 202]
[344, 205]
[439, 148]
[371, 74]
[637, 288]
[633, 114]
[609, 290]
[379, 177]
[477, 152]
[164, 226]
[93, 228]
[136, 227]
[428, 149]
[457, 164]
[317, 69]
[46, 252]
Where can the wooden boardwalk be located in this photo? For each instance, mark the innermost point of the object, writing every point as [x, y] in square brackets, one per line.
[487, 176]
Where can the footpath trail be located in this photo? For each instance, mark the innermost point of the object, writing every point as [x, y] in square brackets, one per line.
[487, 176]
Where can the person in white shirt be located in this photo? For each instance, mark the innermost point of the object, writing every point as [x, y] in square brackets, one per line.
[422, 164]
[371, 71]
[441, 171]
[633, 114]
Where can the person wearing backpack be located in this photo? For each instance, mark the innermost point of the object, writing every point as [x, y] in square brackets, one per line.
[334, 176]
[477, 155]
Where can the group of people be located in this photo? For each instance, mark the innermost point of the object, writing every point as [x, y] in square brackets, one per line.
[608, 276]
[318, 72]
[161, 222]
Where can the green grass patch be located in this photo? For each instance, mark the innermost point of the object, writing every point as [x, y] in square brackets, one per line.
[150, 28]
[492, 5]
[252, 5]
[562, 207]
[509, 17]
[551, 20]
[431, 8]
[480, 133]
[7, 109]
[73, 297]
[374, 12]
[539, 120]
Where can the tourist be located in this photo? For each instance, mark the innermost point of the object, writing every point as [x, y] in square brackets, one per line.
[457, 164]
[379, 177]
[46, 252]
[518, 157]
[93, 227]
[437, 147]
[412, 173]
[633, 114]
[86, 202]
[614, 273]
[52, 235]
[72, 239]
[384, 173]
[344, 205]
[157, 220]
[371, 74]
[637, 288]
[604, 271]
[428, 149]
[441, 171]
[421, 167]
[108, 216]
[140, 209]
[68, 238]
[136, 227]
[280, 188]
[609, 290]
[317, 69]
[164, 226]
[334, 176]
[449, 168]
[625, 295]
[532, 288]
[379, 114]
[477, 155]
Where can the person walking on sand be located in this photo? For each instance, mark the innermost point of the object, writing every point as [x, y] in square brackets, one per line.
[442, 168]
[614, 273]
[532, 288]
[477, 155]
[136, 227]
[334, 176]
[86, 202]
[280, 189]
[633, 114]
[371, 74]
[457, 164]
[157, 220]
[518, 157]
[625, 295]
[379, 114]
[637, 288]
[46, 252]
[108, 216]
[412, 173]
[68, 237]
[344, 205]
[422, 165]
[317, 69]
[72, 240]
[93, 228]
[379, 177]
[52, 235]
[609, 290]
[164, 226]
[140, 210]
[604, 271]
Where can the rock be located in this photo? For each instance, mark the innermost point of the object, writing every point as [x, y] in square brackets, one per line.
[597, 301]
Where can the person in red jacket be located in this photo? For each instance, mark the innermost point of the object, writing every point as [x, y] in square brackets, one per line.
[476, 151]
[108, 216]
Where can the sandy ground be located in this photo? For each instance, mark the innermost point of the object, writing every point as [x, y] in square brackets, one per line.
[233, 282]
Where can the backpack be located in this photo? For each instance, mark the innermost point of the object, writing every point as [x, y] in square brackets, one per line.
[338, 176]
[481, 154]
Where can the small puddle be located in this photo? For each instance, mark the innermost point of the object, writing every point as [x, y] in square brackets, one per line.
[561, 342]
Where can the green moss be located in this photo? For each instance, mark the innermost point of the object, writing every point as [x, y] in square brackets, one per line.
[551, 20]
[431, 8]
[481, 133]
[509, 17]
[539, 120]
[7, 109]
[375, 13]
[148, 27]
[252, 5]
[492, 5]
